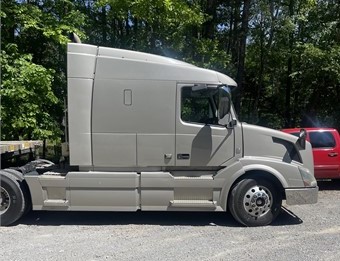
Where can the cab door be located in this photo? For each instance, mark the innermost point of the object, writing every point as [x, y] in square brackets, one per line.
[200, 142]
[326, 154]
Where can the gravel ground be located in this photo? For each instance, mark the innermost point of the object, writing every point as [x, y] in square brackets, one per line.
[307, 232]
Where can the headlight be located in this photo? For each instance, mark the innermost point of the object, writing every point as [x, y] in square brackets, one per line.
[307, 177]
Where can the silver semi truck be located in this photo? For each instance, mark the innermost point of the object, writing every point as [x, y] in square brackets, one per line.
[152, 133]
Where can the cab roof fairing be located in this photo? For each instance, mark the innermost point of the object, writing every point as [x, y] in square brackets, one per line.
[146, 58]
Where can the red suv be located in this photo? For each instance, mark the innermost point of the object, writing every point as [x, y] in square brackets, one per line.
[326, 151]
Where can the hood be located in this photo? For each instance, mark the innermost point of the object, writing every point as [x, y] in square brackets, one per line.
[265, 142]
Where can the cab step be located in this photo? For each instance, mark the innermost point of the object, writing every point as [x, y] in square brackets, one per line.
[194, 203]
[56, 203]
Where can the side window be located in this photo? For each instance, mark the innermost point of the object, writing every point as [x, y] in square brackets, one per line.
[199, 106]
[322, 139]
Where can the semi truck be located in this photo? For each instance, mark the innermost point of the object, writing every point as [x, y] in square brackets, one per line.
[152, 133]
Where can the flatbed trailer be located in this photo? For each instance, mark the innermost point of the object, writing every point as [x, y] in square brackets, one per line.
[16, 149]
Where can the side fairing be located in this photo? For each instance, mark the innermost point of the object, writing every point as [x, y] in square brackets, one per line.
[81, 60]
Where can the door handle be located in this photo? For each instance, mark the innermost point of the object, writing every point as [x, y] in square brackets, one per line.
[183, 156]
[332, 154]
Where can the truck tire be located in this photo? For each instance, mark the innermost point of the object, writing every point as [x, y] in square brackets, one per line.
[24, 188]
[254, 202]
[12, 199]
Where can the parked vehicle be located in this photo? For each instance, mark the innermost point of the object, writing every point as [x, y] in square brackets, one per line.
[152, 133]
[326, 151]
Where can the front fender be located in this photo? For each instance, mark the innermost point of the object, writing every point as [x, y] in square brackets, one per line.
[287, 174]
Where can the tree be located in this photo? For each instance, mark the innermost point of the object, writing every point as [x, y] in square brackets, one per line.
[26, 97]
[34, 37]
[284, 55]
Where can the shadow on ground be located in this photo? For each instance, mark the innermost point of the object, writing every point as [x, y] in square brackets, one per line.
[329, 184]
[287, 217]
[56, 218]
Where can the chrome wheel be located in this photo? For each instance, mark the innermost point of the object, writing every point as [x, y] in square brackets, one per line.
[257, 201]
[5, 200]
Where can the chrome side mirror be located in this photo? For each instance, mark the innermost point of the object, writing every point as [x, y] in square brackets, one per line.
[302, 138]
[224, 101]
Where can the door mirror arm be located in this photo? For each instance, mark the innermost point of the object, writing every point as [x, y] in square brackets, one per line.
[231, 124]
[302, 138]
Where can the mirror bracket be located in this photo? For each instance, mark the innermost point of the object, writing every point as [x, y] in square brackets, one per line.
[231, 124]
[302, 138]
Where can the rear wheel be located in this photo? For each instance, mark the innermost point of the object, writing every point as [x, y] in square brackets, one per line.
[12, 200]
[24, 188]
[255, 202]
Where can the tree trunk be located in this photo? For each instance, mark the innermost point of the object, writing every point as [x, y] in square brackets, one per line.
[289, 82]
[242, 54]
[104, 25]
[209, 25]
[261, 71]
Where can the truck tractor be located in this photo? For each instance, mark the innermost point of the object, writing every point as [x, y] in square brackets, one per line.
[152, 133]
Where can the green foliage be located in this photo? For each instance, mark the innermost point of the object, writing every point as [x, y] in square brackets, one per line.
[51, 19]
[209, 54]
[34, 35]
[308, 34]
[153, 26]
[289, 69]
[26, 95]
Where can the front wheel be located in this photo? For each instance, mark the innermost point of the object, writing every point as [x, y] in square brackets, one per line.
[254, 202]
[12, 200]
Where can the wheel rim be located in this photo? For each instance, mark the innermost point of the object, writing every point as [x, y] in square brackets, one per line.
[258, 201]
[5, 200]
